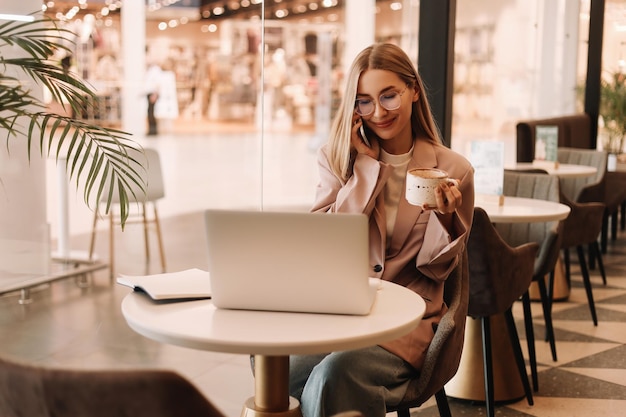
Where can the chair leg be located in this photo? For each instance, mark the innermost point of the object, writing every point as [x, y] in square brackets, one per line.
[550, 299]
[519, 358]
[442, 403]
[591, 263]
[587, 283]
[605, 231]
[595, 247]
[488, 366]
[547, 316]
[157, 225]
[566, 263]
[144, 217]
[530, 339]
[403, 413]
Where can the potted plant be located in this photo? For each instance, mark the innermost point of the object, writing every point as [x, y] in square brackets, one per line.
[98, 158]
[613, 111]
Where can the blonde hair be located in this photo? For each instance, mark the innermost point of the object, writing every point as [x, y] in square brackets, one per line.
[383, 56]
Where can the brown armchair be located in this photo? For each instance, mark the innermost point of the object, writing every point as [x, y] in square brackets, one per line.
[444, 353]
[581, 228]
[549, 236]
[499, 275]
[38, 391]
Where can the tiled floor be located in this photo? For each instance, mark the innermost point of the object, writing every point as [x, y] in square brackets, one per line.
[66, 325]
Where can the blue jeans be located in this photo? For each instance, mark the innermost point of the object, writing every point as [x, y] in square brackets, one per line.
[364, 380]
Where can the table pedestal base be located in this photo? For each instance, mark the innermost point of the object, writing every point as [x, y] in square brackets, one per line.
[250, 411]
[468, 383]
[271, 389]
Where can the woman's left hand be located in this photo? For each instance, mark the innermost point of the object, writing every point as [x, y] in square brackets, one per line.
[448, 198]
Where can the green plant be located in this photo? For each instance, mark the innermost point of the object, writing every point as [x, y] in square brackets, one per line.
[613, 111]
[97, 157]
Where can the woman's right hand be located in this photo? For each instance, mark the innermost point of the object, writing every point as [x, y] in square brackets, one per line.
[359, 144]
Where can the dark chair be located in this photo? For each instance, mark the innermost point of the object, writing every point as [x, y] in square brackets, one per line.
[615, 200]
[586, 197]
[582, 228]
[549, 236]
[604, 187]
[31, 390]
[444, 353]
[38, 391]
[499, 275]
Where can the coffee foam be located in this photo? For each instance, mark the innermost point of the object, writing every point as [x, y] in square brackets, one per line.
[428, 173]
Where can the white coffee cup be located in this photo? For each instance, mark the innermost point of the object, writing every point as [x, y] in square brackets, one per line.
[421, 184]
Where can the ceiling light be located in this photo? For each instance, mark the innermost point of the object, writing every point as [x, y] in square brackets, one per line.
[17, 17]
[281, 13]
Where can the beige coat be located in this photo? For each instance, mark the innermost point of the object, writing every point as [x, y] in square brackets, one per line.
[422, 253]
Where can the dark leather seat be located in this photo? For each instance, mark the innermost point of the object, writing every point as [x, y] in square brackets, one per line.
[586, 197]
[549, 237]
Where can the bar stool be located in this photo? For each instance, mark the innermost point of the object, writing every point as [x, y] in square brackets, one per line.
[154, 191]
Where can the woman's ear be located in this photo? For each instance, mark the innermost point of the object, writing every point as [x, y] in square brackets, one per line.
[416, 94]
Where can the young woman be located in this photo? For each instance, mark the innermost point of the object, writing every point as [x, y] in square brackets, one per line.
[413, 246]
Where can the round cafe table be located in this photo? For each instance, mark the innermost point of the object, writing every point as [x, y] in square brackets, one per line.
[272, 336]
[560, 170]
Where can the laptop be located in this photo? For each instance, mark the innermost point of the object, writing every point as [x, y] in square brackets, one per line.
[290, 261]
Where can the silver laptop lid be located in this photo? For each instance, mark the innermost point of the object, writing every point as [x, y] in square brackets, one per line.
[289, 261]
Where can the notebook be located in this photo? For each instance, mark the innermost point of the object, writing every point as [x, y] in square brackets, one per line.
[184, 285]
[290, 261]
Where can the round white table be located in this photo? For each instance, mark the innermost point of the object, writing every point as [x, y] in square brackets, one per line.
[522, 210]
[561, 171]
[272, 336]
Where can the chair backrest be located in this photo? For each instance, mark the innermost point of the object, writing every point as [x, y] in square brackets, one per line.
[499, 273]
[152, 175]
[547, 234]
[29, 390]
[444, 353]
[574, 131]
[584, 189]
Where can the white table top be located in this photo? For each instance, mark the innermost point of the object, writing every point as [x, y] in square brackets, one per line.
[562, 171]
[522, 210]
[199, 325]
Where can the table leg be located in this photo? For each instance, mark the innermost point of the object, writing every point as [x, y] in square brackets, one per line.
[271, 389]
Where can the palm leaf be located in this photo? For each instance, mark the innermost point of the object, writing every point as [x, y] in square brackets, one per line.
[104, 162]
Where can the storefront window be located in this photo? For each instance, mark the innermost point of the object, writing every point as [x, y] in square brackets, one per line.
[514, 60]
[264, 90]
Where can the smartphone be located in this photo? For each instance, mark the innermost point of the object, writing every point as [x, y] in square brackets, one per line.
[363, 135]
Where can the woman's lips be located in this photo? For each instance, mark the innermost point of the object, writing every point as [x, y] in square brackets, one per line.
[383, 125]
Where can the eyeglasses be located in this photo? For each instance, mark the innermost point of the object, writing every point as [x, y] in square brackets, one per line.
[390, 100]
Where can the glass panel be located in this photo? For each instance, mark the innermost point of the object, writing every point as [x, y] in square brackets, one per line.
[514, 60]
[612, 123]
